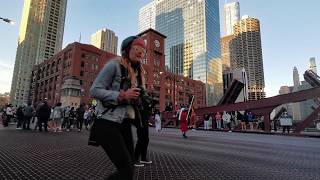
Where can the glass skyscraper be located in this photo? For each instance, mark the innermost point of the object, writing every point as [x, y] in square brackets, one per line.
[192, 45]
[40, 37]
[231, 15]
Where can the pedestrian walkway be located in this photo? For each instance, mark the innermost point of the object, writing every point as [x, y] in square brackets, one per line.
[203, 155]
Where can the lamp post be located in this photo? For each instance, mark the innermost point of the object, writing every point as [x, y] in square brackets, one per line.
[174, 91]
[12, 22]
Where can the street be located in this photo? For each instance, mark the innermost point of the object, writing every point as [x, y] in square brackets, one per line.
[203, 155]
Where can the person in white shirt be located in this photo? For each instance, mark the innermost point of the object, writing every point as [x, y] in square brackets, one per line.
[9, 115]
[228, 121]
[157, 119]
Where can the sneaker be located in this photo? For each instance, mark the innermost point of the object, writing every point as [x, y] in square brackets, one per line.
[138, 164]
[146, 162]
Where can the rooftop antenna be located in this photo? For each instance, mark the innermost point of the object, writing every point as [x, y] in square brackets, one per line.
[80, 38]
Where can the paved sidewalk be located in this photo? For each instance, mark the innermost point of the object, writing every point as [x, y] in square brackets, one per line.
[203, 155]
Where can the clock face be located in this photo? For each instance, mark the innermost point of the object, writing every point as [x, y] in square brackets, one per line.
[156, 43]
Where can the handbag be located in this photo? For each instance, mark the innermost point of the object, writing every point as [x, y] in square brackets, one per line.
[92, 141]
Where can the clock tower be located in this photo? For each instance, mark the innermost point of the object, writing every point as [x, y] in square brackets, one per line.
[154, 65]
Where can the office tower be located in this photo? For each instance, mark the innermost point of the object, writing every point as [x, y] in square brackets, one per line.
[40, 37]
[231, 15]
[296, 110]
[147, 17]
[296, 79]
[246, 53]
[313, 65]
[106, 40]
[193, 41]
[225, 52]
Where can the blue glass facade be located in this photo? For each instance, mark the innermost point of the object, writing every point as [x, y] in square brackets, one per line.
[192, 46]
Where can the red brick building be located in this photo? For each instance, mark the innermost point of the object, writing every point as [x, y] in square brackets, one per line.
[83, 62]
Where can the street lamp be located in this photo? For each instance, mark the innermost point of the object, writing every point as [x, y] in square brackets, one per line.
[12, 22]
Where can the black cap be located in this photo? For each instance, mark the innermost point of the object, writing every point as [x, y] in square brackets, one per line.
[126, 43]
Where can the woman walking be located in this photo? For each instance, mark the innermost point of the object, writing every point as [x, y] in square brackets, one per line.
[119, 89]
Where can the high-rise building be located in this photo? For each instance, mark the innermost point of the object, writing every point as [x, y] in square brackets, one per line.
[313, 65]
[40, 37]
[246, 52]
[147, 17]
[193, 40]
[296, 110]
[225, 52]
[231, 13]
[296, 79]
[106, 40]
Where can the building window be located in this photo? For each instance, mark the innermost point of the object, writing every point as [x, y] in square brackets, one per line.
[81, 73]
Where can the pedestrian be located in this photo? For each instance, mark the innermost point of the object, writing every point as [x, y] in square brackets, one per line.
[286, 122]
[19, 115]
[58, 117]
[80, 115]
[72, 117]
[87, 117]
[224, 120]
[9, 115]
[157, 120]
[27, 115]
[184, 122]
[250, 119]
[66, 114]
[218, 120]
[43, 113]
[206, 122]
[228, 121]
[118, 98]
[243, 118]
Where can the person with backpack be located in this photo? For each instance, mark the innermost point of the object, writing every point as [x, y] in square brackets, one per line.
[72, 117]
[27, 115]
[43, 114]
[120, 99]
[66, 114]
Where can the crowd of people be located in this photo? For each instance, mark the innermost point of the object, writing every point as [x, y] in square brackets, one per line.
[46, 118]
[227, 121]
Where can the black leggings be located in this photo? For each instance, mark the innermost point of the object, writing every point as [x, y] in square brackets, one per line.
[116, 140]
[142, 143]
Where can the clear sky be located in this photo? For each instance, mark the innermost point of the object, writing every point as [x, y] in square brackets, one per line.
[289, 29]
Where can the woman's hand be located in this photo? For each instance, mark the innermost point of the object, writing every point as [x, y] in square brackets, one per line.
[132, 93]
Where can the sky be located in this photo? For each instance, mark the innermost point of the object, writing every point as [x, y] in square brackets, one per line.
[289, 32]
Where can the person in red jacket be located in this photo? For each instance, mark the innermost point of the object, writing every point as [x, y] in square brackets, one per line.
[184, 122]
